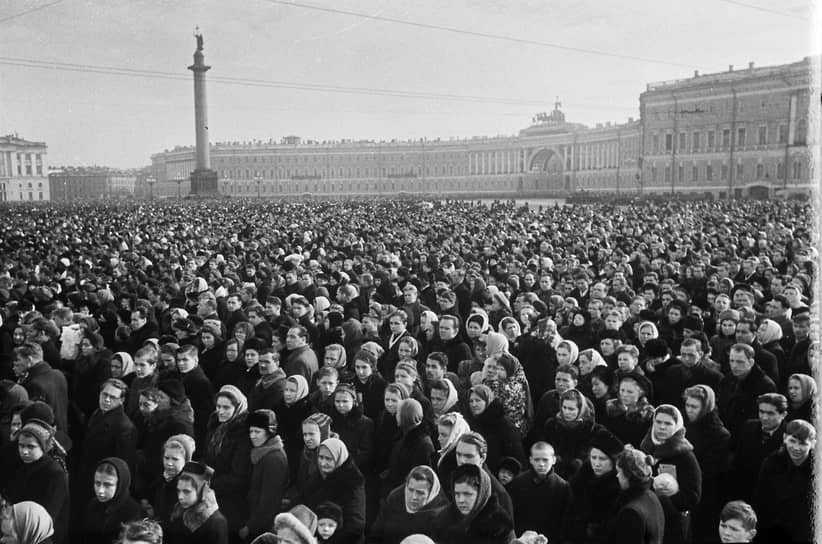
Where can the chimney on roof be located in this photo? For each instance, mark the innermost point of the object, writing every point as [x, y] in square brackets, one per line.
[630, 119]
[696, 73]
[730, 67]
[750, 65]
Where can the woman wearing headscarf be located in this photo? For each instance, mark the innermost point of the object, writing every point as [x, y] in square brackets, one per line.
[570, 432]
[410, 508]
[595, 489]
[475, 516]
[677, 476]
[488, 418]
[291, 413]
[28, 523]
[629, 415]
[387, 430]
[336, 356]
[801, 396]
[343, 484]
[228, 453]
[588, 360]
[316, 428]
[711, 442]
[510, 327]
[213, 350]
[112, 504]
[639, 517]
[413, 448]
[769, 335]
[450, 427]
[353, 427]
[196, 518]
[232, 366]
[269, 473]
[444, 397]
[122, 367]
[506, 379]
[567, 352]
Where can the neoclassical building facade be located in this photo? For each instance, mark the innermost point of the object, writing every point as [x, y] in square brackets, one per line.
[738, 133]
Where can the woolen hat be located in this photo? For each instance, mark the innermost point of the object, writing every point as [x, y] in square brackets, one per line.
[301, 521]
[322, 421]
[41, 431]
[263, 419]
[330, 510]
[172, 387]
[183, 442]
[37, 410]
[656, 347]
[606, 442]
[199, 472]
[510, 464]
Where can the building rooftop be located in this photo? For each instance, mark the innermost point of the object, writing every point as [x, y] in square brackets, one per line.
[14, 139]
[730, 75]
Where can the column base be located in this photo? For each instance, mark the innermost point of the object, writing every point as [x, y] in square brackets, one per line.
[204, 183]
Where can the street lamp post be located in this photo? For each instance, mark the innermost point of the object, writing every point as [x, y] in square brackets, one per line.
[259, 180]
[151, 181]
[179, 180]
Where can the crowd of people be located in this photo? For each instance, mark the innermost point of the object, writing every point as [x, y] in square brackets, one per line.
[407, 372]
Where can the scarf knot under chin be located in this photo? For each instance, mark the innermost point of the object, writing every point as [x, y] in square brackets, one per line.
[675, 445]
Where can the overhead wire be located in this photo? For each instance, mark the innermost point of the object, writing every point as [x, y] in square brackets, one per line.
[30, 10]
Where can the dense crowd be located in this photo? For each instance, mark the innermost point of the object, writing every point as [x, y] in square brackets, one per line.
[407, 372]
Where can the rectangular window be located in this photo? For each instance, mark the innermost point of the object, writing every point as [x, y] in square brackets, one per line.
[740, 137]
[683, 140]
[668, 173]
[783, 134]
[763, 136]
[780, 170]
[681, 173]
[695, 142]
[711, 137]
[797, 170]
[695, 173]
[724, 172]
[760, 171]
[656, 143]
[739, 170]
[726, 138]
[653, 173]
[40, 196]
[669, 142]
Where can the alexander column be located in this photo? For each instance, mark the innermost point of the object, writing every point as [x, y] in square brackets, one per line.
[203, 178]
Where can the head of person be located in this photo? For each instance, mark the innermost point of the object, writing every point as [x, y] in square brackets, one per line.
[331, 454]
[34, 440]
[421, 487]
[737, 523]
[406, 373]
[471, 490]
[262, 426]
[187, 358]
[297, 526]
[449, 326]
[600, 383]
[799, 441]
[297, 337]
[443, 396]
[112, 479]
[542, 459]
[566, 377]
[295, 389]
[436, 365]
[573, 407]
[627, 358]
[145, 362]
[605, 447]
[177, 451]
[327, 378]
[25, 357]
[409, 415]
[143, 531]
[479, 397]
[634, 469]
[193, 484]
[472, 449]
[801, 389]
[112, 394]
[632, 389]
[230, 403]
[772, 409]
[450, 427]
[25, 522]
[741, 359]
[345, 398]
[315, 429]
[700, 400]
[364, 365]
[589, 359]
[667, 424]
[329, 519]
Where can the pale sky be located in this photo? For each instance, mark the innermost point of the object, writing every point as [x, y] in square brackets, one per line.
[67, 96]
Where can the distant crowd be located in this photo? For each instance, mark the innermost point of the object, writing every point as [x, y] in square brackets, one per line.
[407, 372]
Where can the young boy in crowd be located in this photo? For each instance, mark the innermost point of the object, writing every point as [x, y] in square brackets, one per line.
[329, 521]
[737, 522]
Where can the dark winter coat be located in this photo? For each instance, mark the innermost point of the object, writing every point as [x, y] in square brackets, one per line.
[290, 428]
[571, 443]
[413, 449]
[162, 425]
[639, 519]
[492, 525]
[736, 399]
[44, 383]
[711, 442]
[675, 456]
[455, 349]
[386, 434]
[371, 394]
[247, 379]
[109, 434]
[503, 439]
[357, 432]
[345, 487]
[231, 462]
[750, 447]
[88, 375]
[269, 478]
[163, 497]
[268, 394]
[783, 499]
[394, 523]
[301, 361]
[213, 531]
[200, 393]
[103, 521]
[594, 500]
[686, 377]
[629, 426]
[541, 504]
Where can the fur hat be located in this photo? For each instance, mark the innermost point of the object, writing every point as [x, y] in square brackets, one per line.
[184, 442]
[656, 347]
[330, 510]
[263, 419]
[607, 443]
[38, 410]
[636, 464]
[199, 472]
[335, 319]
[302, 522]
[172, 387]
[510, 464]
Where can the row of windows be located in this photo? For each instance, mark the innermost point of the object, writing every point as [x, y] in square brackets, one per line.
[4, 196]
[330, 187]
[288, 173]
[277, 159]
[760, 172]
[697, 143]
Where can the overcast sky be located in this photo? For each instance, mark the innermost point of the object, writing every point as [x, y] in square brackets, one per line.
[608, 50]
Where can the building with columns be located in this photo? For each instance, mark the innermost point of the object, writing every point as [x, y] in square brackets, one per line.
[737, 133]
[23, 170]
